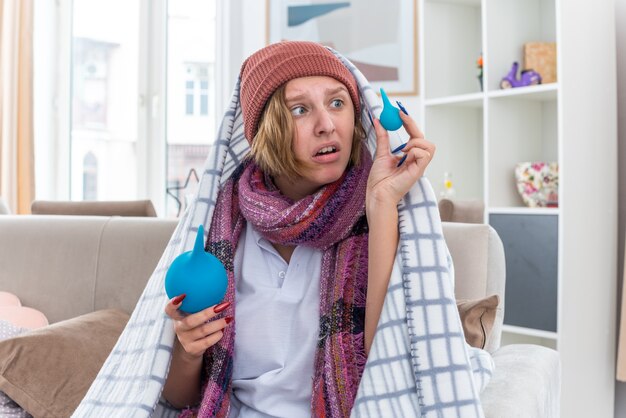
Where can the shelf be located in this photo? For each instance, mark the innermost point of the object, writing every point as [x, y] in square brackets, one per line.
[523, 211]
[462, 100]
[483, 133]
[540, 93]
[451, 49]
[510, 24]
[518, 131]
[529, 331]
[464, 137]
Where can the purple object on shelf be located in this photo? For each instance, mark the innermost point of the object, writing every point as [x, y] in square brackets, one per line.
[527, 78]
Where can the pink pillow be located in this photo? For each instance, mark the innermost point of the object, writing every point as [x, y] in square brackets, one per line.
[9, 299]
[23, 317]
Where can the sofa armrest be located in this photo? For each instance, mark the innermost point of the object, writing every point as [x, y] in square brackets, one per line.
[479, 267]
[525, 383]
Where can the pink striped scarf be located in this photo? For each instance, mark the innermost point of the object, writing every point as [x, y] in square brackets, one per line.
[332, 220]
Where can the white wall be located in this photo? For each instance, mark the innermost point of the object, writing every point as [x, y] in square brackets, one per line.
[247, 34]
[620, 27]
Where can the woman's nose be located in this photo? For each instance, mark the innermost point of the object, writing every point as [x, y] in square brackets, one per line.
[324, 123]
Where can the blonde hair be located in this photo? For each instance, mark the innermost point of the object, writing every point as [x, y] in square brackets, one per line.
[271, 147]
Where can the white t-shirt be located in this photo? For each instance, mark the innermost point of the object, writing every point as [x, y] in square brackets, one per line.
[277, 324]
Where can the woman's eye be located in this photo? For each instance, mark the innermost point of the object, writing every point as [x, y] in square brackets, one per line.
[298, 110]
[337, 103]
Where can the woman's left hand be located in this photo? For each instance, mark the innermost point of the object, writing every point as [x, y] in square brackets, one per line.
[387, 182]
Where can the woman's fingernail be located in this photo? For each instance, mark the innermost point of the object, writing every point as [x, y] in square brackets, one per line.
[402, 108]
[219, 308]
[228, 319]
[400, 148]
[178, 299]
[402, 160]
[370, 116]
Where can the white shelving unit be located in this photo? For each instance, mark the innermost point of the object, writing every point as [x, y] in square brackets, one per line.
[561, 262]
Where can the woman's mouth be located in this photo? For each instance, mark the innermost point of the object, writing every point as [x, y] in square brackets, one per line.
[327, 154]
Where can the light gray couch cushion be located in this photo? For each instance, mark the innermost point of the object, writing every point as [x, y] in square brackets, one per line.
[525, 383]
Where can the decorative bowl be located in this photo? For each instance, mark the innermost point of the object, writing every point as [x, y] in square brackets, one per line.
[538, 183]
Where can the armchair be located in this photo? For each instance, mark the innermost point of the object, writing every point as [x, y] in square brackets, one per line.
[526, 379]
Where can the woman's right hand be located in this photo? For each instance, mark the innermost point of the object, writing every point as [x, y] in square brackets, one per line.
[195, 332]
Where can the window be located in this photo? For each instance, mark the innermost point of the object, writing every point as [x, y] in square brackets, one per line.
[104, 105]
[91, 63]
[90, 177]
[127, 99]
[204, 98]
[191, 97]
[198, 77]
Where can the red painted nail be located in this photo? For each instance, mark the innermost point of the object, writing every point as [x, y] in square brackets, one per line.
[219, 308]
[178, 299]
[228, 319]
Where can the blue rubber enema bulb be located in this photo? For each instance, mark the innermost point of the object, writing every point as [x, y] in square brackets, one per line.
[390, 116]
[197, 274]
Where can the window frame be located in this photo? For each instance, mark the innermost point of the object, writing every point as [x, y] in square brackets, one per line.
[54, 156]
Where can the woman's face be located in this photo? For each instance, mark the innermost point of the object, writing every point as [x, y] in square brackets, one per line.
[323, 116]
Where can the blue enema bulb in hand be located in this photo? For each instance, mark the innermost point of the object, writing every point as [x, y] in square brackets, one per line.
[197, 274]
[390, 116]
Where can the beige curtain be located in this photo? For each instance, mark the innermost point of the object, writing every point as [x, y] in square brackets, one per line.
[17, 171]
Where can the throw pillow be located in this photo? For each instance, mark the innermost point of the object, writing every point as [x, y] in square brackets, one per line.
[8, 408]
[49, 370]
[23, 316]
[477, 318]
[9, 299]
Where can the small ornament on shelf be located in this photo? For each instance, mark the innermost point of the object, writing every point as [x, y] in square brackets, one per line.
[541, 57]
[527, 77]
[538, 183]
[448, 191]
[479, 64]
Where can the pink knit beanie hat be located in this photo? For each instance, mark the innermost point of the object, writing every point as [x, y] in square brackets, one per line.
[271, 67]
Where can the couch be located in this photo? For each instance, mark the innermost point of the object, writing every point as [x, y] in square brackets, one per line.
[66, 266]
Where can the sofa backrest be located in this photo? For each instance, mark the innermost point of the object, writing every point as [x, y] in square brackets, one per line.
[66, 266]
[94, 208]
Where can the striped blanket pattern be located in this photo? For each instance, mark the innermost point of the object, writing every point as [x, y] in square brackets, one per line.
[419, 364]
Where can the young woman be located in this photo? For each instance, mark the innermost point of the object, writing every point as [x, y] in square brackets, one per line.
[307, 228]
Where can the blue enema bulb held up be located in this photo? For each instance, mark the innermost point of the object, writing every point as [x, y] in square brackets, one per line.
[197, 274]
[390, 116]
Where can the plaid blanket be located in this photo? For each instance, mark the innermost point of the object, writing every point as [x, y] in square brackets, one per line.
[419, 364]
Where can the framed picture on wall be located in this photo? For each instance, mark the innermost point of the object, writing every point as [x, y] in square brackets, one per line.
[379, 37]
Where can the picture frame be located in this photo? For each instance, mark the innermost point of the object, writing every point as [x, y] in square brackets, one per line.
[386, 53]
